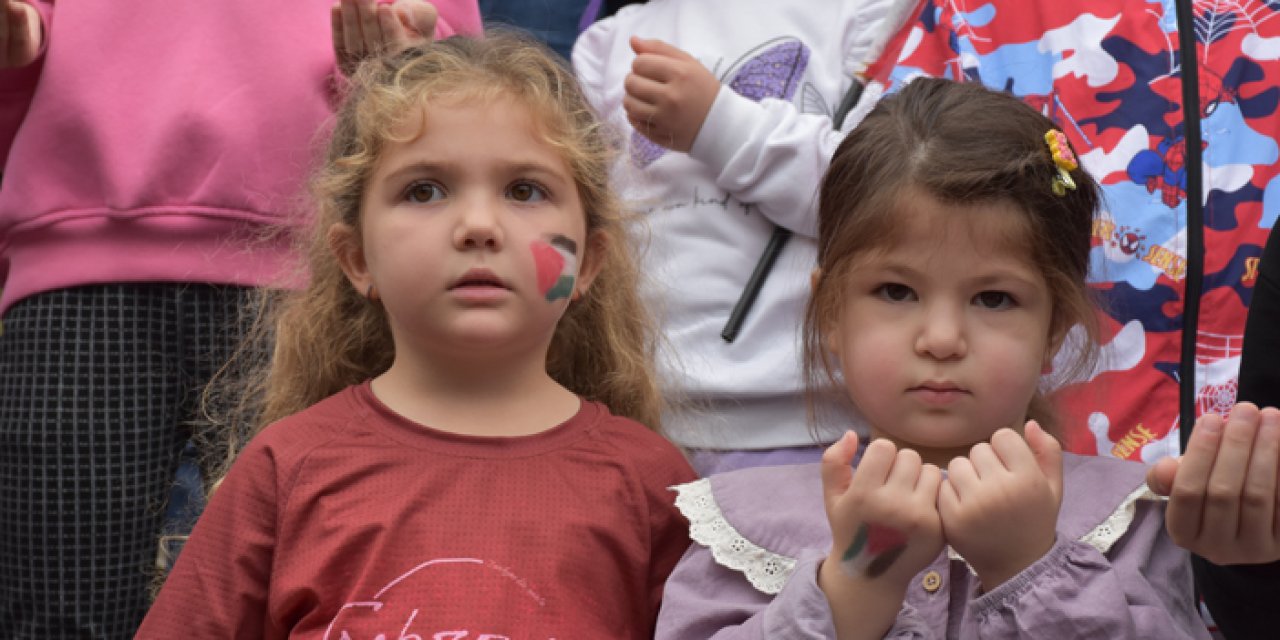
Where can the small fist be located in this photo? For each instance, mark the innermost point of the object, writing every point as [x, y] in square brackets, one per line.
[1007, 480]
[883, 515]
[668, 94]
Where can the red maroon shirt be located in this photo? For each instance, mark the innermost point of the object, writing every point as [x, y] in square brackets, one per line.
[349, 521]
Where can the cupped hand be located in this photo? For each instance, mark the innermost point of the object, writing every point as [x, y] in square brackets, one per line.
[668, 94]
[1008, 480]
[1223, 490]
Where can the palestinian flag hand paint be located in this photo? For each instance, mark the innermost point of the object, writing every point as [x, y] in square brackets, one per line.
[874, 549]
[556, 262]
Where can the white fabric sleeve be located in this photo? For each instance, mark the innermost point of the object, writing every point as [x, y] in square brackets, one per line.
[768, 154]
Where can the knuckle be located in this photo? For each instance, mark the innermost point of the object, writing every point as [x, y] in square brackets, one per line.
[1255, 498]
[1221, 494]
[1183, 494]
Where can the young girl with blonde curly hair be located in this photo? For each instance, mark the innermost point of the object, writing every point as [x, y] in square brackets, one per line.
[457, 400]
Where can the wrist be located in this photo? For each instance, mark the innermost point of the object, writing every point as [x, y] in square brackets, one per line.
[1009, 565]
[861, 607]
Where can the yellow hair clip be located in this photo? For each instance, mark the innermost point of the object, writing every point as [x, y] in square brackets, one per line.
[1064, 159]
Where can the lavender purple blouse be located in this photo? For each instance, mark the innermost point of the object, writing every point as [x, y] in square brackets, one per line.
[761, 534]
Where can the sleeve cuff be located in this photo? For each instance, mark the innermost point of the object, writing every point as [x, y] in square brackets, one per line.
[1006, 595]
[729, 113]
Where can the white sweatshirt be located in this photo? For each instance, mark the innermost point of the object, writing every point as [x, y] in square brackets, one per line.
[754, 165]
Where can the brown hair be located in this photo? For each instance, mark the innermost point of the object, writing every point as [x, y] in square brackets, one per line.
[965, 144]
[329, 336]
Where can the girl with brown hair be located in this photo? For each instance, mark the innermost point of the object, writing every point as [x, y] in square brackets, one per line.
[953, 242]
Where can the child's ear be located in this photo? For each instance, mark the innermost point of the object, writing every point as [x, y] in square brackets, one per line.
[830, 336]
[346, 248]
[592, 261]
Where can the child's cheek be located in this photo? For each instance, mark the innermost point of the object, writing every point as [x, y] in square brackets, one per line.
[555, 261]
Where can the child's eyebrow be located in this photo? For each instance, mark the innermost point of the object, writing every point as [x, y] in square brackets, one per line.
[996, 276]
[1005, 279]
[419, 167]
[543, 170]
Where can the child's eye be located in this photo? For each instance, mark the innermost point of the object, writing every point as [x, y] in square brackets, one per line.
[526, 191]
[994, 300]
[895, 292]
[423, 192]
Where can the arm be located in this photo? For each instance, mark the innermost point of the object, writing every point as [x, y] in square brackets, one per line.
[855, 591]
[706, 600]
[1222, 507]
[765, 153]
[1139, 588]
[1241, 596]
[1036, 584]
[1240, 568]
[885, 528]
[218, 587]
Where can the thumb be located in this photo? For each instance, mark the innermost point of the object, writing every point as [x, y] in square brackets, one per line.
[837, 469]
[418, 16]
[1160, 476]
[656, 47]
[1048, 454]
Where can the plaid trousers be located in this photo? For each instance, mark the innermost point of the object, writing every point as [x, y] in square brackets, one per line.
[99, 386]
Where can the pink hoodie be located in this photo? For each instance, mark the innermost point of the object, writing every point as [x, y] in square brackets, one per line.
[164, 139]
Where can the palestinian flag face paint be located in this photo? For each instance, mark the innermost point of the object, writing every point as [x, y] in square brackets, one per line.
[874, 549]
[556, 262]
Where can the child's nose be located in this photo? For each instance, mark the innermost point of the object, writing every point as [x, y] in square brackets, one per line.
[478, 225]
[942, 333]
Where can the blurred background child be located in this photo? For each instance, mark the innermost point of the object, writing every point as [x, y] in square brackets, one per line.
[729, 114]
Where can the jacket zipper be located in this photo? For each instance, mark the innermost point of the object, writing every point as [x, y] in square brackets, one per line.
[1194, 281]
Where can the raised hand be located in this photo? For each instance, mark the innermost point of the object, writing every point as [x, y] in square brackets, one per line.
[668, 94]
[21, 34]
[884, 527]
[1005, 481]
[1223, 490]
[363, 28]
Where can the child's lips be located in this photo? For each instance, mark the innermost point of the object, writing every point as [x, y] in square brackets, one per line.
[938, 393]
[479, 286]
[479, 279]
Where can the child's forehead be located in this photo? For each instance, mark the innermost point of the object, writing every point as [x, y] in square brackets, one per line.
[531, 121]
[922, 224]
